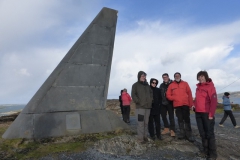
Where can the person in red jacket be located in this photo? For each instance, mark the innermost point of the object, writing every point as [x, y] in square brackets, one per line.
[180, 93]
[205, 106]
[126, 101]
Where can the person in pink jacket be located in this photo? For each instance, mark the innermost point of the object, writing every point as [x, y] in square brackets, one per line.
[205, 106]
[126, 101]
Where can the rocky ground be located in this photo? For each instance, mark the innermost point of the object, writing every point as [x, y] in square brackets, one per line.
[126, 147]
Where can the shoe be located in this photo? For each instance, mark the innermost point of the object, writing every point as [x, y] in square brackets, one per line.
[190, 138]
[165, 131]
[172, 133]
[128, 121]
[141, 141]
[159, 138]
[201, 154]
[236, 126]
[153, 138]
[208, 158]
[221, 125]
[181, 135]
[188, 133]
[146, 139]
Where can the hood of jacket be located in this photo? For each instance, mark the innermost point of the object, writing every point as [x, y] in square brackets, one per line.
[151, 80]
[139, 75]
[209, 82]
[224, 97]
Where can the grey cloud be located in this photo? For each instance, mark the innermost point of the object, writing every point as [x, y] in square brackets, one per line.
[35, 35]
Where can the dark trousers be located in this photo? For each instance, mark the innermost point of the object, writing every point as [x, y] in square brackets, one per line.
[154, 119]
[168, 109]
[121, 107]
[183, 114]
[206, 131]
[126, 113]
[230, 114]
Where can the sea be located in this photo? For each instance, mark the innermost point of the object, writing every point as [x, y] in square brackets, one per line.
[234, 100]
[7, 109]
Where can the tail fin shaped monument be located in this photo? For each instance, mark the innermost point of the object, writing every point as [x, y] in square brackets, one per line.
[73, 98]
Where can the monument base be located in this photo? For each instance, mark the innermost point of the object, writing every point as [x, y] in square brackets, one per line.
[63, 124]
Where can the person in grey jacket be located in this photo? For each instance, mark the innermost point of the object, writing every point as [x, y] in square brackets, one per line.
[227, 111]
[142, 96]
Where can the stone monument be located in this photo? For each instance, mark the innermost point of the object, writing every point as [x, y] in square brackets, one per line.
[73, 98]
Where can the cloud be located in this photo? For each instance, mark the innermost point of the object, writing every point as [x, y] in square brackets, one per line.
[24, 71]
[157, 47]
[35, 35]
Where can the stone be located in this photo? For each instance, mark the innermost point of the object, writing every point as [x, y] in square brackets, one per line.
[123, 145]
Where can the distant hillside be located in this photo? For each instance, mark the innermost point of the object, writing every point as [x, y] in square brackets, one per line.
[232, 94]
[234, 97]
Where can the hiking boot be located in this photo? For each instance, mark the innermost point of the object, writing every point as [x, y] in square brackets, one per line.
[181, 135]
[188, 131]
[221, 125]
[141, 141]
[165, 131]
[191, 139]
[159, 138]
[204, 147]
[202, 154]
[209, 158]
[172, 133]
[236, 126]
[153, 138]
[145, 139]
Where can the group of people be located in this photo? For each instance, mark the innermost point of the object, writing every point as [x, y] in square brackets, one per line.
[151, 102]
[177, 95]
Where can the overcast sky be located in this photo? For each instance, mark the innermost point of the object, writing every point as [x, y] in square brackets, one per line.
[155, 36]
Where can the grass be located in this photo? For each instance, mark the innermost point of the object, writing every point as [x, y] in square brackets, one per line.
[33, 149]
[37, 150]
[219, 110]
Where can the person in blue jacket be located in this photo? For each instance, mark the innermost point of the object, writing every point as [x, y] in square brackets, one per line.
[227, 111]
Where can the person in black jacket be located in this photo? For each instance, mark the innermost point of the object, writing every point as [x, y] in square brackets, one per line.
[120, 100]
[154, 117]
[167, 107]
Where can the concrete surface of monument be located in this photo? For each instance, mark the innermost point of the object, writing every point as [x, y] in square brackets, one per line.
[72, 100]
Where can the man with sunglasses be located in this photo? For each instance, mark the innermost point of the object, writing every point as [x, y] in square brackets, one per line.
[167, 107]
[143, 97]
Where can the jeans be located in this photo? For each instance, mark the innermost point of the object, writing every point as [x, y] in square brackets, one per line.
[168, 109]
